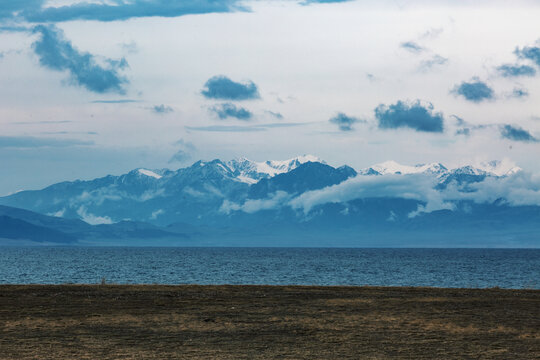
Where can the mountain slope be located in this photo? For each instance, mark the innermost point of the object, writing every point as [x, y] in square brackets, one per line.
[296, 201]
[16, 229]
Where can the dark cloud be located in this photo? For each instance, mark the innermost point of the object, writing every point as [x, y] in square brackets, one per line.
[412, 47]
[344, 122]
[34, 142]
[411, 115]
[530, 53]
[57, 53]
[516, 133]
[434, 61]
[221, 87]
[227, 110]
[10, 8]
[509, 70]
[474, 91]
[162, 109]
[36, 12]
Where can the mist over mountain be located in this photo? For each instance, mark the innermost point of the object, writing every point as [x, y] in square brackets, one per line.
[298, 202]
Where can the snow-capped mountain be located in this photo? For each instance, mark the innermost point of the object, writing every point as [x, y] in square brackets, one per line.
[251, 172]
[489, 168]
[287, 199]
[392, 167]
[499, 168]
[196, 194]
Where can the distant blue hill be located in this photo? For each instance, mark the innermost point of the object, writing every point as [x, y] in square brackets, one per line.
[297, 202]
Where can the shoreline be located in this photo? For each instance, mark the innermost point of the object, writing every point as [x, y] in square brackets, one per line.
[266, 322]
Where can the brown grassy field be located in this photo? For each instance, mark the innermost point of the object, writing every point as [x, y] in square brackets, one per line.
[266, 322]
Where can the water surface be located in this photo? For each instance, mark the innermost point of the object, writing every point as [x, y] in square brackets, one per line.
[506, 268]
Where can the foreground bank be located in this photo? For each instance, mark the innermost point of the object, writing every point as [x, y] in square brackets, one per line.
[286, 322]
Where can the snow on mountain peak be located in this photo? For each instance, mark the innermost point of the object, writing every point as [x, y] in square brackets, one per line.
[499, 167]
[493, 168]
[149, 173]
[251, 171]
[392, 167]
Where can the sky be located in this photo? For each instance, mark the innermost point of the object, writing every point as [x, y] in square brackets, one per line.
[102, 87]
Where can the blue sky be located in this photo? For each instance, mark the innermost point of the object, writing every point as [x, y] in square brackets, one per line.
[102, 87]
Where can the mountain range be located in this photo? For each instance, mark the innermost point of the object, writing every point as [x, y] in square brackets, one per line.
[297, 202]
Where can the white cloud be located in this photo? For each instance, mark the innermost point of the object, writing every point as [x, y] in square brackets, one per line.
[275, 200]
[518, 189]
[93, 219]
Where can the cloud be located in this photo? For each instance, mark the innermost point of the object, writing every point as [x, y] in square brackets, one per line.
[162, 109]
[518, 189]
[57, 53]
[412, 115]
[254, 205]
[119, 101]
[235, 128]
[432, 33]
[519, 93]
[412, 47]
[34, 10]
[184, 153]
[416, 187]
[274, 114]
[308, 2]
[91, 218]
[516, 133]
[475, 91]
[530, 53]
[434, 61]
[42, 122]
[22, 142]
[231, 128]
[9, 9]
[227, 110]
[509, 70]
[344, 122]
[221, 87]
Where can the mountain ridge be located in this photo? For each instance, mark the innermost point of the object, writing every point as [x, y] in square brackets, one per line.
[294, 199]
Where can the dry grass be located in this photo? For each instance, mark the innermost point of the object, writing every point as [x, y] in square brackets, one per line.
[266, 322]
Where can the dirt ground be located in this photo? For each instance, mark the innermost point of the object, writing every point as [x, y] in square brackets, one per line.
[266, 322]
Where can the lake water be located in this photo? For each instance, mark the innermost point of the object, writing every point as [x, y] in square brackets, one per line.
[279, 266]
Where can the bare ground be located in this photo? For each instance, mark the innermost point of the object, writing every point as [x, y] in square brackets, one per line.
[266, 322]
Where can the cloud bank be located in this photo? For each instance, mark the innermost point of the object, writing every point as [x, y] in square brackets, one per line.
[35, 10]
[518, 189]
